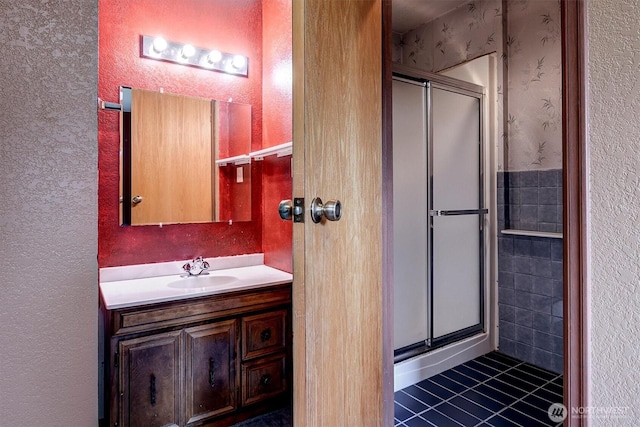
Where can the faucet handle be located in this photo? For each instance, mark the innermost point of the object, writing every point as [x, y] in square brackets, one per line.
[196, 266]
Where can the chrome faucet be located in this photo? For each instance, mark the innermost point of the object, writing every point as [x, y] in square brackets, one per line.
[196, 267]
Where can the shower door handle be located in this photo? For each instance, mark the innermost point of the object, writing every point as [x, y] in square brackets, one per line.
[458, 212]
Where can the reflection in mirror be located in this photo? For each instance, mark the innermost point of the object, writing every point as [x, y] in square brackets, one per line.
[183, 159]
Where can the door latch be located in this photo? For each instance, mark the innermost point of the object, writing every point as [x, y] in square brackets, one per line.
[295, 210]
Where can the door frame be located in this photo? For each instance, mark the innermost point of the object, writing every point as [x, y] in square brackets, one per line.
[575, 217]
[575, 197]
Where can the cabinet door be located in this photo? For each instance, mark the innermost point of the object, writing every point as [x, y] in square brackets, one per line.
[150, 380]
[210, 359]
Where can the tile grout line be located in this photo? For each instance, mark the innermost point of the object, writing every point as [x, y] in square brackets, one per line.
[528, 393]
[492, 412]
[455, 394]
[509, 368]
[506, 370]
[447, 400]
[546, 382]
[467, 389]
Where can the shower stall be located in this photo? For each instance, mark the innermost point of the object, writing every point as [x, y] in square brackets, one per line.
[442, 292]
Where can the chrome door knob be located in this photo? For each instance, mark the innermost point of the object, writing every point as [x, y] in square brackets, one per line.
[332, 210]
[136, 199]
[285, 210]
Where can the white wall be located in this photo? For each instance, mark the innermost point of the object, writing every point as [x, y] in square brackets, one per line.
[614, 111]
[48, 213]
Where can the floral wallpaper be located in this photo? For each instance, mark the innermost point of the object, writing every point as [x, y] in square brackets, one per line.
[532, 59]
[467, 32]
[529, 99]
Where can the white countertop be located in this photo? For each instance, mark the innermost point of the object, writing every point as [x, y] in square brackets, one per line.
[141, 291]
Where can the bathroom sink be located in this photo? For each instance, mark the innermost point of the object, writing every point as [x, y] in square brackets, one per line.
[200, 282]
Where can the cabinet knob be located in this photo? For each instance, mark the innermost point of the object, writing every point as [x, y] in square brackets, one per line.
[265, 335]
[265, 380]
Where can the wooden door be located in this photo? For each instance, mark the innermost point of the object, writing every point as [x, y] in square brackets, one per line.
[150, 376]
[342, 368]
[210, 360]
[171, 157]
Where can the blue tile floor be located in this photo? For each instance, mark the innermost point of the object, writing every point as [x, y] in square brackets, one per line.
[491, 390]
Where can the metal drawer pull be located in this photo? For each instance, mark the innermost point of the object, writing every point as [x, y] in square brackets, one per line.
[459, 212]
[211, 373]
[152, 389]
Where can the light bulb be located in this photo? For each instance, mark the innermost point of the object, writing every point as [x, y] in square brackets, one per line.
[187, 51]
[214, 57]
[239, 62]
[159, 44]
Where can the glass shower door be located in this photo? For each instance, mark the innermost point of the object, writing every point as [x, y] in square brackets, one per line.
[438, 214]
[410, 205]
[456, 214]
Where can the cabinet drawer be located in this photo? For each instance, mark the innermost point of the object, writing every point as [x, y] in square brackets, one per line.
[263, 334]
[184, 312]
[263, 379]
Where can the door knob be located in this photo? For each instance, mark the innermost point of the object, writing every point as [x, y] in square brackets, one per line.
[285, 210]
[136, 199]
[332, 210]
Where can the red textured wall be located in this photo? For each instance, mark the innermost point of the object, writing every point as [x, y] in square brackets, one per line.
[237, 193]
[277, 128]
[228, 25]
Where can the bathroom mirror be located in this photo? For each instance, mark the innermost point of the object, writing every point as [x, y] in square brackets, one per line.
[183, 159]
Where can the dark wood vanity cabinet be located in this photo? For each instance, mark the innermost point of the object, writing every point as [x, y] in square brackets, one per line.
[150, 375]
[210, 370]
[207, 361]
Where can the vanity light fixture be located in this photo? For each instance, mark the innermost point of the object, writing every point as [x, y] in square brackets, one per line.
[187, 54]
